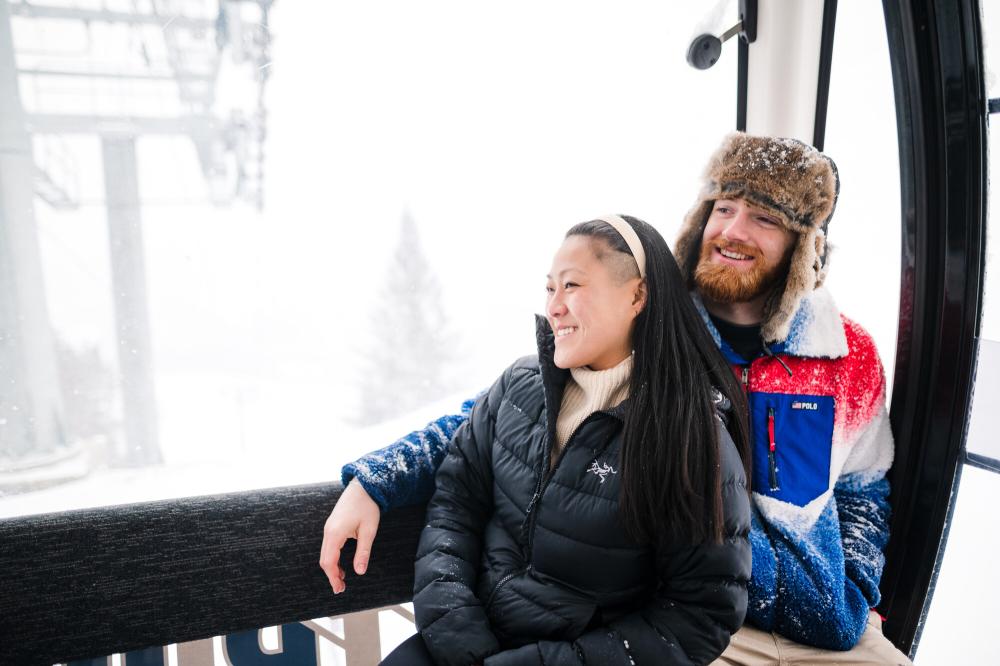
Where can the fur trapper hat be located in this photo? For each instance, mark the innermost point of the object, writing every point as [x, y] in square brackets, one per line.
[790, 180]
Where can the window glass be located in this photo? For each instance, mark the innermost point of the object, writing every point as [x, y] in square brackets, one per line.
[990, 329]
[986, 399]
[229, 242]
[981, 438]
[254, 247]
[861, 137]
[991, 46]
[954, 616]
[961, 618]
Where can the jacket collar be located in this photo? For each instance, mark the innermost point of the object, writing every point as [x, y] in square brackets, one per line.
[816, 331]
[554, 378]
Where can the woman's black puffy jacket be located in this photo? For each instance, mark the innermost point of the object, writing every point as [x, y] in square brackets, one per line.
[524, 565]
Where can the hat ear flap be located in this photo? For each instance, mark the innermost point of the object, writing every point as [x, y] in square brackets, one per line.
[687, 247]
[803, 277]
[822, 258]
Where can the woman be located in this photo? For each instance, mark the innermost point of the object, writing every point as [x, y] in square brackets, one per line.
[594, 507]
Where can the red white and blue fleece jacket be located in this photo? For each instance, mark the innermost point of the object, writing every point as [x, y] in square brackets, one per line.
[821, 450]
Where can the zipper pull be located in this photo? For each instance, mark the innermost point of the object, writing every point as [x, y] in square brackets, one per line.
[768, 352]
[746, 378]
[771, 462]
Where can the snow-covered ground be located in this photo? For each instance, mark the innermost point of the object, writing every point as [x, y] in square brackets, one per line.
[209, 451]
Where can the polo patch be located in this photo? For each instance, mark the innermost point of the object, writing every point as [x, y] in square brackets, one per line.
[792, 437]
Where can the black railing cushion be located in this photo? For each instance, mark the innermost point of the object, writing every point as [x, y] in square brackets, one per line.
[94, 582]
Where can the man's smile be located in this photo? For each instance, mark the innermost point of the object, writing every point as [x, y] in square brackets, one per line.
[732, 258]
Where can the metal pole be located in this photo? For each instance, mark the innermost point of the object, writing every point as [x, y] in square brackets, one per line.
[30, 399]
[128, 282]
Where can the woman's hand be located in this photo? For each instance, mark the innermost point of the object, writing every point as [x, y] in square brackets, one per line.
[355, 516]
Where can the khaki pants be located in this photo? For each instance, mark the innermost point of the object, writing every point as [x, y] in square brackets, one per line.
[752, 647]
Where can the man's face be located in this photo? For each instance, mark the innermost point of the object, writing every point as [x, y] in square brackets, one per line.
[744, 252]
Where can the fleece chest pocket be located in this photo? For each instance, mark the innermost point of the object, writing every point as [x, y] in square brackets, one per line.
[792, 436]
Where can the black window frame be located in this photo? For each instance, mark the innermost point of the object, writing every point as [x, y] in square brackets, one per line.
[941, 112]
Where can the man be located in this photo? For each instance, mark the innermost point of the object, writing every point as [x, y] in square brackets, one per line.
[754, 250]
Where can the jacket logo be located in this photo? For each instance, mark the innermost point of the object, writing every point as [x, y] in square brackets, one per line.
[602, 470]
[811, 406]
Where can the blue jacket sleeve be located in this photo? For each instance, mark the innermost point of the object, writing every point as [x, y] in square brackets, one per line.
[402, 473]
[829, 574]
[863, 509]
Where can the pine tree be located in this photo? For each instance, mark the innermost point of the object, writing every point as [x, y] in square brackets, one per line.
[409, 356]
[87, 386]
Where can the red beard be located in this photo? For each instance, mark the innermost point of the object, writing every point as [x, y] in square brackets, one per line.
[727, 284]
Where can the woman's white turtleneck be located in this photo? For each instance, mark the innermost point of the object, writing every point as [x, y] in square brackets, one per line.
[588, 391]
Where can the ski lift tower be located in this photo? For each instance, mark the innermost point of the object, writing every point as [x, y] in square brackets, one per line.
[162, 80]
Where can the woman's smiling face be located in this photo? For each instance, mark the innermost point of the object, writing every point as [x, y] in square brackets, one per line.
[591, 306]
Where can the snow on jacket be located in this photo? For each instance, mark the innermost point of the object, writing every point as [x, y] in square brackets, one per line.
[818, 538]
[534, 566]
[821, 450]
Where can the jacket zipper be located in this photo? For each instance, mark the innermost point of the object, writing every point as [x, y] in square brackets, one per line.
[529, 517]
[771, 450]
[528, 531]
[772, 462]
[504, 581]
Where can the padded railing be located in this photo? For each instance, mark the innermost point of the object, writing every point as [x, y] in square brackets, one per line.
[95, 582]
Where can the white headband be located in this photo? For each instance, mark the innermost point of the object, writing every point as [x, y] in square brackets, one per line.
[631, 239]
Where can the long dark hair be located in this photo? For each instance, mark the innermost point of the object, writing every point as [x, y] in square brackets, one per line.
[671, 486]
